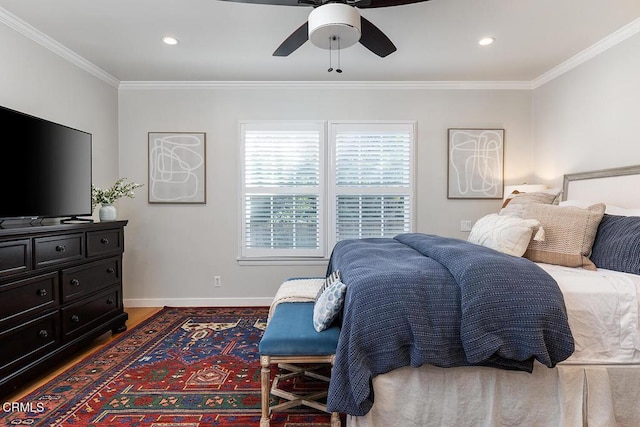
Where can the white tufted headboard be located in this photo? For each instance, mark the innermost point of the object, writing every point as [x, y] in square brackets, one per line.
[616, 186]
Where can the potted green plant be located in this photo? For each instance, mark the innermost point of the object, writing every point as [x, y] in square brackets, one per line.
[106, 197]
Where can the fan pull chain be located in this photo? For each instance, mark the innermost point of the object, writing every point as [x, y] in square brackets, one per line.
[330, 47]
[331, 40]
[338, 70]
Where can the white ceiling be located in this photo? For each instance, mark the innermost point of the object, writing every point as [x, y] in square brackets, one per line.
[227, 41]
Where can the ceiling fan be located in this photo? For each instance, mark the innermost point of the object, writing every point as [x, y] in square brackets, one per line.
[336, 24]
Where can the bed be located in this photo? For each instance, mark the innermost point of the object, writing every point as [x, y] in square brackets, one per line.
[590, 378]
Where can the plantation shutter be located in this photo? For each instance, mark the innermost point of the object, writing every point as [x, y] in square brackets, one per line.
[282, 180]
[372, 179]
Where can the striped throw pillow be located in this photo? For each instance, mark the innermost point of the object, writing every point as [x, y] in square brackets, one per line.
[330, 280]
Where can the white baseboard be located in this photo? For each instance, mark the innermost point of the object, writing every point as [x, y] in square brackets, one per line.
[198, 302]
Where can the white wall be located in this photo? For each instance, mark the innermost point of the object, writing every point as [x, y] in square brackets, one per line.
[173, 252]
[589, 117]
[36, 81]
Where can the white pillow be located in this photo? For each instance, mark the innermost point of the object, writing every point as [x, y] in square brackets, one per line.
[505, 233]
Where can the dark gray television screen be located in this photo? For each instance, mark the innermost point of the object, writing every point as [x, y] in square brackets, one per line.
[46, 171]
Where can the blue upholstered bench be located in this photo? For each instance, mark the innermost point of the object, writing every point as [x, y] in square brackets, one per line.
[290, 339]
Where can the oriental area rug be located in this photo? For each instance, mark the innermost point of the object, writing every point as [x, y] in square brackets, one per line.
[183, 367]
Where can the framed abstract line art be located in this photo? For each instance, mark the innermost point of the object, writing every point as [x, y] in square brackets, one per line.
[177, 168]
[475, 164]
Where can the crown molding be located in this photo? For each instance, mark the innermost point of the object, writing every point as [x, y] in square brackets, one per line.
[32, 33]
[368, 85]
[606, 43]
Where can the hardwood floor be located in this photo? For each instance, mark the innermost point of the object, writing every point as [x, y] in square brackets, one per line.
[136, 316]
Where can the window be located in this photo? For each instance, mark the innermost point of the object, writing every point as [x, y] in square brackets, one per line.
[372, 187]
[283, 186]
[364, 186]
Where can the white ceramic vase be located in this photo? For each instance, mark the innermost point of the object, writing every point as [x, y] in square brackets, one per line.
[107, 212]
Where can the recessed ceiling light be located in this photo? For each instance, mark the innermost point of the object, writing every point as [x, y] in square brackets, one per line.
[170, 40]
[486, 41]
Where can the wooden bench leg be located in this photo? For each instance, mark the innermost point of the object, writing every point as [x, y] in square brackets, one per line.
[335, 416]
[264, 383]
[335, 419]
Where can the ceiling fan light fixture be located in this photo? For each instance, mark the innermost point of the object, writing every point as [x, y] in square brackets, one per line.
[334, 21]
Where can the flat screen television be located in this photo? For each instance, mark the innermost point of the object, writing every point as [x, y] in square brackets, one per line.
[46, 170]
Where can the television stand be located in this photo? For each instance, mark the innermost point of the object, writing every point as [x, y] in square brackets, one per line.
[75, 220]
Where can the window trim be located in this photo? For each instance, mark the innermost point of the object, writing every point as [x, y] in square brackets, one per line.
[281, 254]
[332, 186]
[326, 204]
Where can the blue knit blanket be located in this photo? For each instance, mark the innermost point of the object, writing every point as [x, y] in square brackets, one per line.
[423, 299]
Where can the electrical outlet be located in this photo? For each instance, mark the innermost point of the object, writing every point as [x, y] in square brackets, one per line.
[465, 225]
[217, 281]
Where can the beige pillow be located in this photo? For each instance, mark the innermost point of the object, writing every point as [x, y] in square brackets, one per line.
[569, 234]
[515, 204]
[504, 233]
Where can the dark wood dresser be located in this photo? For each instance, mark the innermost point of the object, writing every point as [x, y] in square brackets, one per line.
[60, 286]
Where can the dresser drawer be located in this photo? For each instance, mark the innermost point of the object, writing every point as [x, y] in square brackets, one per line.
[28, 340]
[85, 279]
[15, 256]
[104, 242]
[28, 296]
[58, 249]
[81, 316]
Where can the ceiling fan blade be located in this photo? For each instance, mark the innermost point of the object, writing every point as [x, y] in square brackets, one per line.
[374, 39]
[360, 4]
[368, 4]
[294, 41]
[272, 2]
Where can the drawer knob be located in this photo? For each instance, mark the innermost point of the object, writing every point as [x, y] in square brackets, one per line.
[43, 333]
[110, 301]
[75, 318]
[61, 248]
[104, 241]
[75, 282]
[110, 270]
[41, 292]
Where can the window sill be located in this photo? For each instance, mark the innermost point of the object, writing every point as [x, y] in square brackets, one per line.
[282, 261]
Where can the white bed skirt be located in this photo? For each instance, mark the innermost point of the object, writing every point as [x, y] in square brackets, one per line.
[567, 396]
